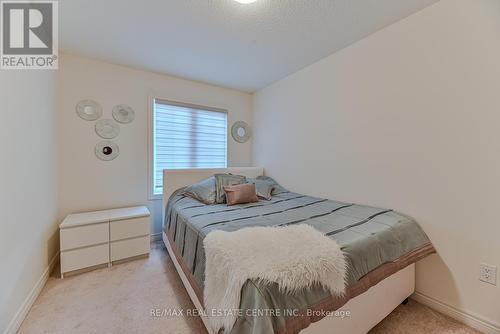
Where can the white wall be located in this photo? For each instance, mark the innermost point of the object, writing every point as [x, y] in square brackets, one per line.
[408, 118]
[28, 183]
[88, 183]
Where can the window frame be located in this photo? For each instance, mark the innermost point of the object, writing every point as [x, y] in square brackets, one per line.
[151, 137]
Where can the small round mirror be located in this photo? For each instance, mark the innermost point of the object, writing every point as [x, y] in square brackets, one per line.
[240, 132]
[106, 150]
[123, 114]
[107, 129]
[88, 110]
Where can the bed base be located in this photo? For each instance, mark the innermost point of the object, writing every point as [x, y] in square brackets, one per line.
[370, 307]
[366, 310]
[186, 283]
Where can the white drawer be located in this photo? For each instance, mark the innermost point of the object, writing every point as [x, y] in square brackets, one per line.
[129, 248]
[82, 236]
[129, 228]
[84, 257]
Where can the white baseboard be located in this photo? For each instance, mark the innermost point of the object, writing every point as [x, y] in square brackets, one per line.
[156, 237]
[472, 320]
[23, 310]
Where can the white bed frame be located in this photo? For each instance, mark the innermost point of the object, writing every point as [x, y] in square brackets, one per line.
[366, 310]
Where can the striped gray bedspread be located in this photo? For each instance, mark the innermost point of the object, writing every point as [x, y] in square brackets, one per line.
[369, 236]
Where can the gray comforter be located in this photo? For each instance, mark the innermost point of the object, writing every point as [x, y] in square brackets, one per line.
[370, 237]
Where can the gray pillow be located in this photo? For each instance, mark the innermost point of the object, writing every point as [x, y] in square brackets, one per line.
[224, 180]
[263, 188]
[203, 191]
[277, 187]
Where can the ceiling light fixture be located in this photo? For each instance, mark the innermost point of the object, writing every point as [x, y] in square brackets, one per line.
[245, 1]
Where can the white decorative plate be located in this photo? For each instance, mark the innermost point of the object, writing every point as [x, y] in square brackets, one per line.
[89, 110]
[241, 132]
[123, 114]
[106, 150]
[107, 128]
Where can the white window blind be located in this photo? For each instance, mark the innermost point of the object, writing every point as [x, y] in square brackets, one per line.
[187, 136]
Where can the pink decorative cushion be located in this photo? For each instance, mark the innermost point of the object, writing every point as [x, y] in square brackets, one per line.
[241, 194]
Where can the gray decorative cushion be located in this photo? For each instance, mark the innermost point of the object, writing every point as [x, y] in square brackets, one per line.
[224, 180]
[203, 191]
[263, 188]
[277, 187]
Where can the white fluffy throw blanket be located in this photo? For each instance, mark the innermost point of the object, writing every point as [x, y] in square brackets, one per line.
[295, 257]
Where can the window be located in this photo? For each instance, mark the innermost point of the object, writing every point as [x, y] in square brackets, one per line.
[187, 136]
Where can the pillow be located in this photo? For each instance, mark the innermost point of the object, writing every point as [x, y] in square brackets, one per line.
[263, 188]
[222, 180]
[241, 194]
[203, 191]
[277, 187]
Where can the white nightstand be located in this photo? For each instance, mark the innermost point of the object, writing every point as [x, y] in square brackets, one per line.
[92, 239]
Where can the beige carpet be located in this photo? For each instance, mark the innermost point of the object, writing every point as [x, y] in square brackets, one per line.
[419, 319]
[121, 300]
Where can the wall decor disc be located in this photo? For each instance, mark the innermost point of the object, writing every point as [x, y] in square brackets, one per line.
[107, 150]
[123, 114]
[89, 110]
[107, 128]
[241, 132]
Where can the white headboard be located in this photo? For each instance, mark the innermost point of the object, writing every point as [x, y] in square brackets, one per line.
[174, 179]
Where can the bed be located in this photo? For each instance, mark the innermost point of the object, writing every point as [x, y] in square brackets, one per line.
[381, 247]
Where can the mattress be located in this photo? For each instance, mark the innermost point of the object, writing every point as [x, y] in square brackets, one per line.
[377, 243]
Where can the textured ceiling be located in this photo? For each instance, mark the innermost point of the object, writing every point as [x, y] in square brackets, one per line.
[222, 42]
